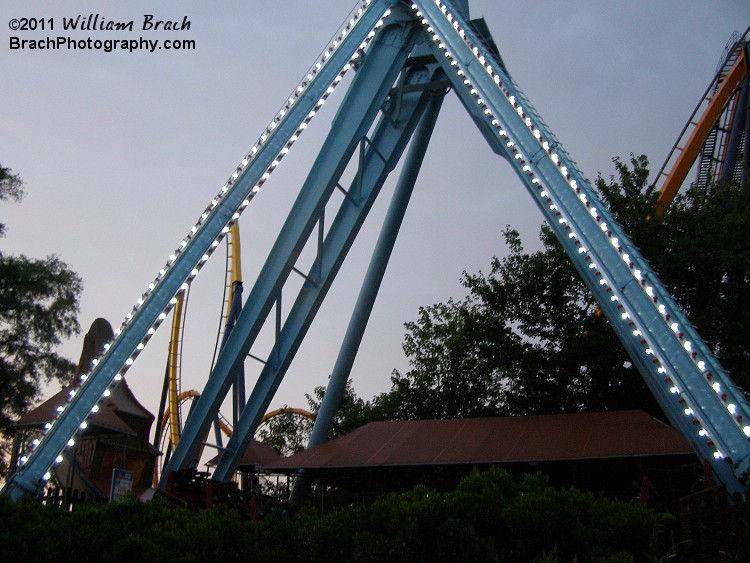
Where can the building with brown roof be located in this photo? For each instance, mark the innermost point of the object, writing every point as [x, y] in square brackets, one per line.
[116, 437]
[606, 451]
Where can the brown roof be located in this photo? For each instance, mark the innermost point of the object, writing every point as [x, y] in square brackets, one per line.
[257, 453]
[494, 440]
[45, 412]
[122, 399]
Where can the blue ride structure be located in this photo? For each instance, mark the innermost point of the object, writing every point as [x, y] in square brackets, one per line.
[405, 56]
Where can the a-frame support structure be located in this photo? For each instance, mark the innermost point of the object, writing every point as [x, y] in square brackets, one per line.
[406, 54]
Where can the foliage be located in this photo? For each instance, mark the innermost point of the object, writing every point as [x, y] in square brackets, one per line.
[38, 307]
[352, 412]
[706, 264]
[286, 432]
[488, 517]
[450, 377]
[529, 337]
[11, 189]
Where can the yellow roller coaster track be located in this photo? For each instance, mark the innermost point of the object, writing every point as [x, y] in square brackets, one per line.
[235, 267]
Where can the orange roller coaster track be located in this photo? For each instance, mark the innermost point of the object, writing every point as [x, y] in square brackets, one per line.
[721, 95]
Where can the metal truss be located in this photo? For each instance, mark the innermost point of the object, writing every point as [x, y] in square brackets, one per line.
[405, 55]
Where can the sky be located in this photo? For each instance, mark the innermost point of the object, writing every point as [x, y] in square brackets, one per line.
[120, 152]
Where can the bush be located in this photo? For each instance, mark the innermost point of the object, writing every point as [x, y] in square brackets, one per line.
[487, 517]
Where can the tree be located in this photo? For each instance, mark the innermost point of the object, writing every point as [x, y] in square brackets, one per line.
[529, 337]
[286, 432]
[352, 412]
[289, 433]
[11, 189]
[38, 308]
[700, 252]
[449, 376]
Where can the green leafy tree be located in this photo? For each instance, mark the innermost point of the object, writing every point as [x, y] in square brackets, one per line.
[11, 189]
[289, 433]
[352, 412]
[38, 307]
[449, 375]
[699, 251]
[286, 432]
[529, 337]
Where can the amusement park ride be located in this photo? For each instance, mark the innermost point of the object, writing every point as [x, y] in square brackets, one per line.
[405, 56]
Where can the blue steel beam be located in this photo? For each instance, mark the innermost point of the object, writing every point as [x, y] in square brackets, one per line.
[238, 392]
[387, 146]
[363, 101]
[366, 299]
[693, 389]
[196, 248]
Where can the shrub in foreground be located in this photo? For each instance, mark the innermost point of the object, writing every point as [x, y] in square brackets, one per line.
[488, 517]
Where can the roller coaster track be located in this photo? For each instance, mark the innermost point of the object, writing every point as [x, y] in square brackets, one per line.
[170, 420]
[221, 425]
[406, 55]
[720, 114]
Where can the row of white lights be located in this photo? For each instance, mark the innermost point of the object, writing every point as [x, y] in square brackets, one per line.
[586, 200]
[280, 116]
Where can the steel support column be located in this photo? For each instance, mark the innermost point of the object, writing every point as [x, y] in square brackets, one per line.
[691, 386]
[370, 286]
[146, 316]
[387, 146]
[363, 101]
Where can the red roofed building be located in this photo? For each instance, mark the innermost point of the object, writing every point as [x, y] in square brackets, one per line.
[116, 437]
[606, 451]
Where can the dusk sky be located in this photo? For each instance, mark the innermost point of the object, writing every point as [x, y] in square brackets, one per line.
[120, 153]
